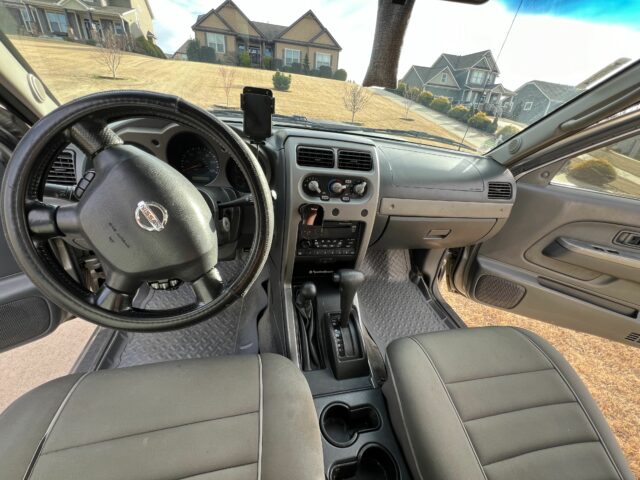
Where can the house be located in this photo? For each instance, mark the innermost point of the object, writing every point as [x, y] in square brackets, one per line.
[465, 79]
[230, 33]
[181, 52]
[536, 98]
[82, 19]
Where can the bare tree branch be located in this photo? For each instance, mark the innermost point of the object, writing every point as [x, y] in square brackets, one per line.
[110, 55]
[355, 98]
[227, 76]
[411, 95]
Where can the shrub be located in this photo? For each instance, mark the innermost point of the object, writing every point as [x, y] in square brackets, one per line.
[193, 50]
[276, 64]
[340, 74]
[494, 125]
[305, 64]
[296, 67]
[207, 54]
[146, 47]
[460, 112]
[325, 71]
[91, 42]
[507, 132]
[267, 63]
[481, 121]
[594, 171]
[244, 59]
[425, 98]
[402, 87]
[281, 81]
[441, 104]
[314, 73]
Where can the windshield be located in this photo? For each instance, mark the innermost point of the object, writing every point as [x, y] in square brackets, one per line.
[469, 78]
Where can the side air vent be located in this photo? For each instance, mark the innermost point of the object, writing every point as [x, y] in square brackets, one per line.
[355, 160]
[633, 337]
[315, 157]
[500, 190]
[63, 170]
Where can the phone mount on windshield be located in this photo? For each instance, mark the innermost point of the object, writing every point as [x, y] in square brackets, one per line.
[258, 106]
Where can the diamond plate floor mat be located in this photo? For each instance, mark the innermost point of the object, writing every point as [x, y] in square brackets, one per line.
[392, 305]
[217, 336]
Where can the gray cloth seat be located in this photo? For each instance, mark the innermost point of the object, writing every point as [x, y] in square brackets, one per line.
[496, 403]
[228, 418]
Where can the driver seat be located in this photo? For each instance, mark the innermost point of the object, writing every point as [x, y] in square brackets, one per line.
[227, 418]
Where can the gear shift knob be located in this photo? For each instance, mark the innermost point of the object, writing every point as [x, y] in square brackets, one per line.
[349, 281]
[306, 292]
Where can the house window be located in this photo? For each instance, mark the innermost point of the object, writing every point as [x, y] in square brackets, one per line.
[58, 22]
[444, 78]
[477, 76]
[527, 106]
[291, 56]
[216, 41]
[118, 28]
[611, 170]
[323, 60]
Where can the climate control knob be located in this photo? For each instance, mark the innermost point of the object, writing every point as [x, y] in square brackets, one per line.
[360, 188]
[337, 187]
[314, 186]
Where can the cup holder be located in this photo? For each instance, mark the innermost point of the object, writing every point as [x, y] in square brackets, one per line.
[374, 462]
[341, 424]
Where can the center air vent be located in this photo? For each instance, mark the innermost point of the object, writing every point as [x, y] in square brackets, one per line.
[355, 160]
[63, 169]
[315, 157]
[500, 190]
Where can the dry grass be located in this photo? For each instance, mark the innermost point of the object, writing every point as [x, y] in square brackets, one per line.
[71, 70]
[610, 370]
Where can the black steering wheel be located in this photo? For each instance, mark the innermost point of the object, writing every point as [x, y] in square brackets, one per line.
[144, 221]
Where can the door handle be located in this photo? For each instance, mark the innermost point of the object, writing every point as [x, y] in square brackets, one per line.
[600, 258]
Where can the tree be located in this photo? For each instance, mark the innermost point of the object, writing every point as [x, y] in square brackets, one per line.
[305, 64]
[411, 95]
[227, 76]
[356, 97]
[193, 50]
[110, 55]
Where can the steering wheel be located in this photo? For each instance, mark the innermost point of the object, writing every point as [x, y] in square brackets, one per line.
[144, 221]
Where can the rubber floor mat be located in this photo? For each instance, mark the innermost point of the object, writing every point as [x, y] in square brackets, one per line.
[392, 305]
[215, 337]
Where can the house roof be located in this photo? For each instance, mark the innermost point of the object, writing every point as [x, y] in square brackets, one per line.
[499, 88]
[460, 62]
[79, 6]
[183, 48]
[270, 30]
[555, 92]
[426, 73]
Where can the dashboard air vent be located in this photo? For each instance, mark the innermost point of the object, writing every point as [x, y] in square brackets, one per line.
[63, 170]
[355, 160]
[500, 190]
[315, 157]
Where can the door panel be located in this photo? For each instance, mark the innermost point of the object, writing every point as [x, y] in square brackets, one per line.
[559, 259]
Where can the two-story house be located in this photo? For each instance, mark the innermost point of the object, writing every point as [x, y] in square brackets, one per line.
[466, 79]
[82, 19]
[230, 33]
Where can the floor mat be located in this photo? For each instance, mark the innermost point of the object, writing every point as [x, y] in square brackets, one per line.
[392, 305]
[215, 337]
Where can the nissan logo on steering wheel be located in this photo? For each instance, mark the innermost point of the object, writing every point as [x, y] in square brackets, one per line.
[151, 216]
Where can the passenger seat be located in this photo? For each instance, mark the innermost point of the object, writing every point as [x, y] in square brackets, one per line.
[496, 403]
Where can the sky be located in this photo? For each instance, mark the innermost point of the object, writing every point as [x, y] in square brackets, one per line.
[561, 41]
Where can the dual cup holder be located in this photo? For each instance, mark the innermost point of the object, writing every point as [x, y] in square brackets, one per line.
[341, 426]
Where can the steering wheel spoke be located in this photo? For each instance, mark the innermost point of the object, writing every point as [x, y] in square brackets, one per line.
[113, 300]
[208, 287]
[50, 221]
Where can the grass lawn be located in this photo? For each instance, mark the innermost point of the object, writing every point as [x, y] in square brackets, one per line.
[610, 370]
[71, 70]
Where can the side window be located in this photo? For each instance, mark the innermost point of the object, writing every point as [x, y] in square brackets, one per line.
[614, 170]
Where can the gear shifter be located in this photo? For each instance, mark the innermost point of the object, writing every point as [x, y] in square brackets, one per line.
[349, 281]
[306, 318]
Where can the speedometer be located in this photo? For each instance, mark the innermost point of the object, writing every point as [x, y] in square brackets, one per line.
[199, 164]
